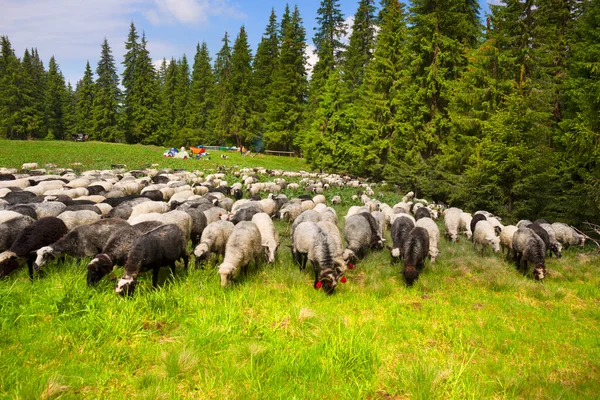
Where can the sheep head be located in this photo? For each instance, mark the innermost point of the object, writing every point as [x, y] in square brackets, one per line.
[410, 274]
[227, 273]
[494, 243]
[270, 247]
[98, 268]
[126, 285]
[8, 263]
[328, 278]
[43, 255]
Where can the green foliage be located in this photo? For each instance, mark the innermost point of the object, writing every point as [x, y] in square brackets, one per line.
[224, 107]
[201, 100]
[241, 84]
[56, 102]
[85, 93]
[107, 99]
[360, 45]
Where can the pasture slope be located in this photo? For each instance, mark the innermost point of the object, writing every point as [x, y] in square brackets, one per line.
[471, 327]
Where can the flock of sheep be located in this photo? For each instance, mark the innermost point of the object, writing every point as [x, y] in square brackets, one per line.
[144, 220]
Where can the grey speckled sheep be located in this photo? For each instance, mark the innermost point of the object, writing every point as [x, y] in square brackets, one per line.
[361, 233]
[567, 235]
[82, 241]
[10, 229]
[73, 219]
[243, 246]
[162, 246]
[528, 247]
[116, 250]
[213, 241]
[308, 215]
[337, 245]
[416, 248]
[311, 243]
[543, 234]
[555, 245]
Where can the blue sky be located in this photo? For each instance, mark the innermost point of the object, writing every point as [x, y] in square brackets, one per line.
[72, 30]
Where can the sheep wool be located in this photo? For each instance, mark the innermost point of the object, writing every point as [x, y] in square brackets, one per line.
[485, 235]
[213, 240]
[434, 235]
[243, 246]
[270, 238]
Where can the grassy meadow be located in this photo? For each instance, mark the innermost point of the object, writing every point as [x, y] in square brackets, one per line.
[471, 327]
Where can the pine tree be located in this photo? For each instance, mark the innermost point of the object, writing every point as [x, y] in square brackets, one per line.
[33, 113]
[360, 45]
[169, 98]
[107, 98]
[70, 111]
[200, 104]
[57, 102]
[183, 89]
[328, 45]
[130, 62]
[241, 84]
[85, 101]
[11, 101]
[287, 101]
[223, 92]
[262, 78]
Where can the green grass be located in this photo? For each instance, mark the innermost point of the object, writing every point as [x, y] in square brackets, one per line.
[471, 327]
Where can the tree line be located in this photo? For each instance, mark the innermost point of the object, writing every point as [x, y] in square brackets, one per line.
[502, 115]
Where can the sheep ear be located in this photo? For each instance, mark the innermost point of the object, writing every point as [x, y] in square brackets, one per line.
[266, 246]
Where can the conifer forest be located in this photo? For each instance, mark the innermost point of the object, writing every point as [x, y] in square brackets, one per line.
[498, 112]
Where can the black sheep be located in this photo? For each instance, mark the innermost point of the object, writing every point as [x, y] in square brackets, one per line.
[7, 177]
[399, 231]
[116, 249]
[10, 229]
[422, 212]
[416, 250]
[160, 247]
[155, 195]
[43, 232]
[474, 221]
[95, 189]
[21, 197]
[80, 207]
[245, 214]
[199, 222]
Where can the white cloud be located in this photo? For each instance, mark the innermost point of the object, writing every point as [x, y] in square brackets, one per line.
[311, 58]
[190, 11]
[495, 2]
[349, 22]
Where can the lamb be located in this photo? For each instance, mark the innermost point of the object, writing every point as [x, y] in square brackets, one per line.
[567, 235]
[485, 236]
[159, 247]
[81, 241]
[243, 246]
[543, 234]
[361, 233]
[270, 238]
[415, 250]
[476, 218]
[464, 224]
[506, 237]
[554, 244]
[73, 219]
[116, 250]
[311, 243]
[42, 232]
[401, 227]
[529, 247]
[422, 212]
[10, 229]
[434, 236]
[213, 240]
[452, 223]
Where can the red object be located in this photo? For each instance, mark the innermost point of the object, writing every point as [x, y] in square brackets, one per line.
[457, 240]
[197, 150]
[318, 285]
[343, 280]
[350, 266]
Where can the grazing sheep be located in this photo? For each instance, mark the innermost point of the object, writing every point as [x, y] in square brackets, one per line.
[381, 225]
[524, 223]
[81, 241]
[160, 247]
[308, 215]
[485, 235]
[213, 240]
[476, 218]
[116, 250]
[10, 229]
[48, 208]
[356, 210]
[149, 207]
[336, 200]
[555, 245]
[243, 246]
[270, 238]
[73, 219]
[214, 214]
[422, 212]
[199, 223]
[7, 215]
[361, 233]
[290, 210]
[329, 214]
[464, 224]
[543, 234]
[245, 214]
[434, 235]
[41, 233]
[567, 235]
[506, 237]
[337, 245]
[123, 206]
[452, 223]
[311, 243]
[496, 224]
[415, 250]
[529, 247]
[180, 218]
[401, 227]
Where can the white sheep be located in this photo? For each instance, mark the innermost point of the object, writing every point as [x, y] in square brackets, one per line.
[215, 214]
[356, 210]
[335, 199]
[567, 235]
[149, 207]
[506, 237]
[243, 246]
[48, 208]
[434, 235]
[213, 240]
[270, 238]
[464, 224]
[485, 235]
[7, 215]
[77, 218]
[180, 218]
[319, 199]
[452, 223]
[290, 210]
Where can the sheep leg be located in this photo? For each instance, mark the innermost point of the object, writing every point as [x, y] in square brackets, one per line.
[186, 259]
[172, 266]
[155, 271]
[317, 270]
[30, 261]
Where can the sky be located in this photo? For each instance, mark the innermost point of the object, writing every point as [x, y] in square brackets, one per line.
[73, 30]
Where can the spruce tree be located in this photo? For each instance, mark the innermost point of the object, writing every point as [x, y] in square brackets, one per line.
[328, 43]
[11, 101]
[223, 92]
[85, 102]
[169, 98]
[241, 84]
[130, 62]
[287, 101]
[262, 78]
[107, 98]
[360, 45]
[57, 102]
[33, 112]
[182, 93]
[200, 103]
